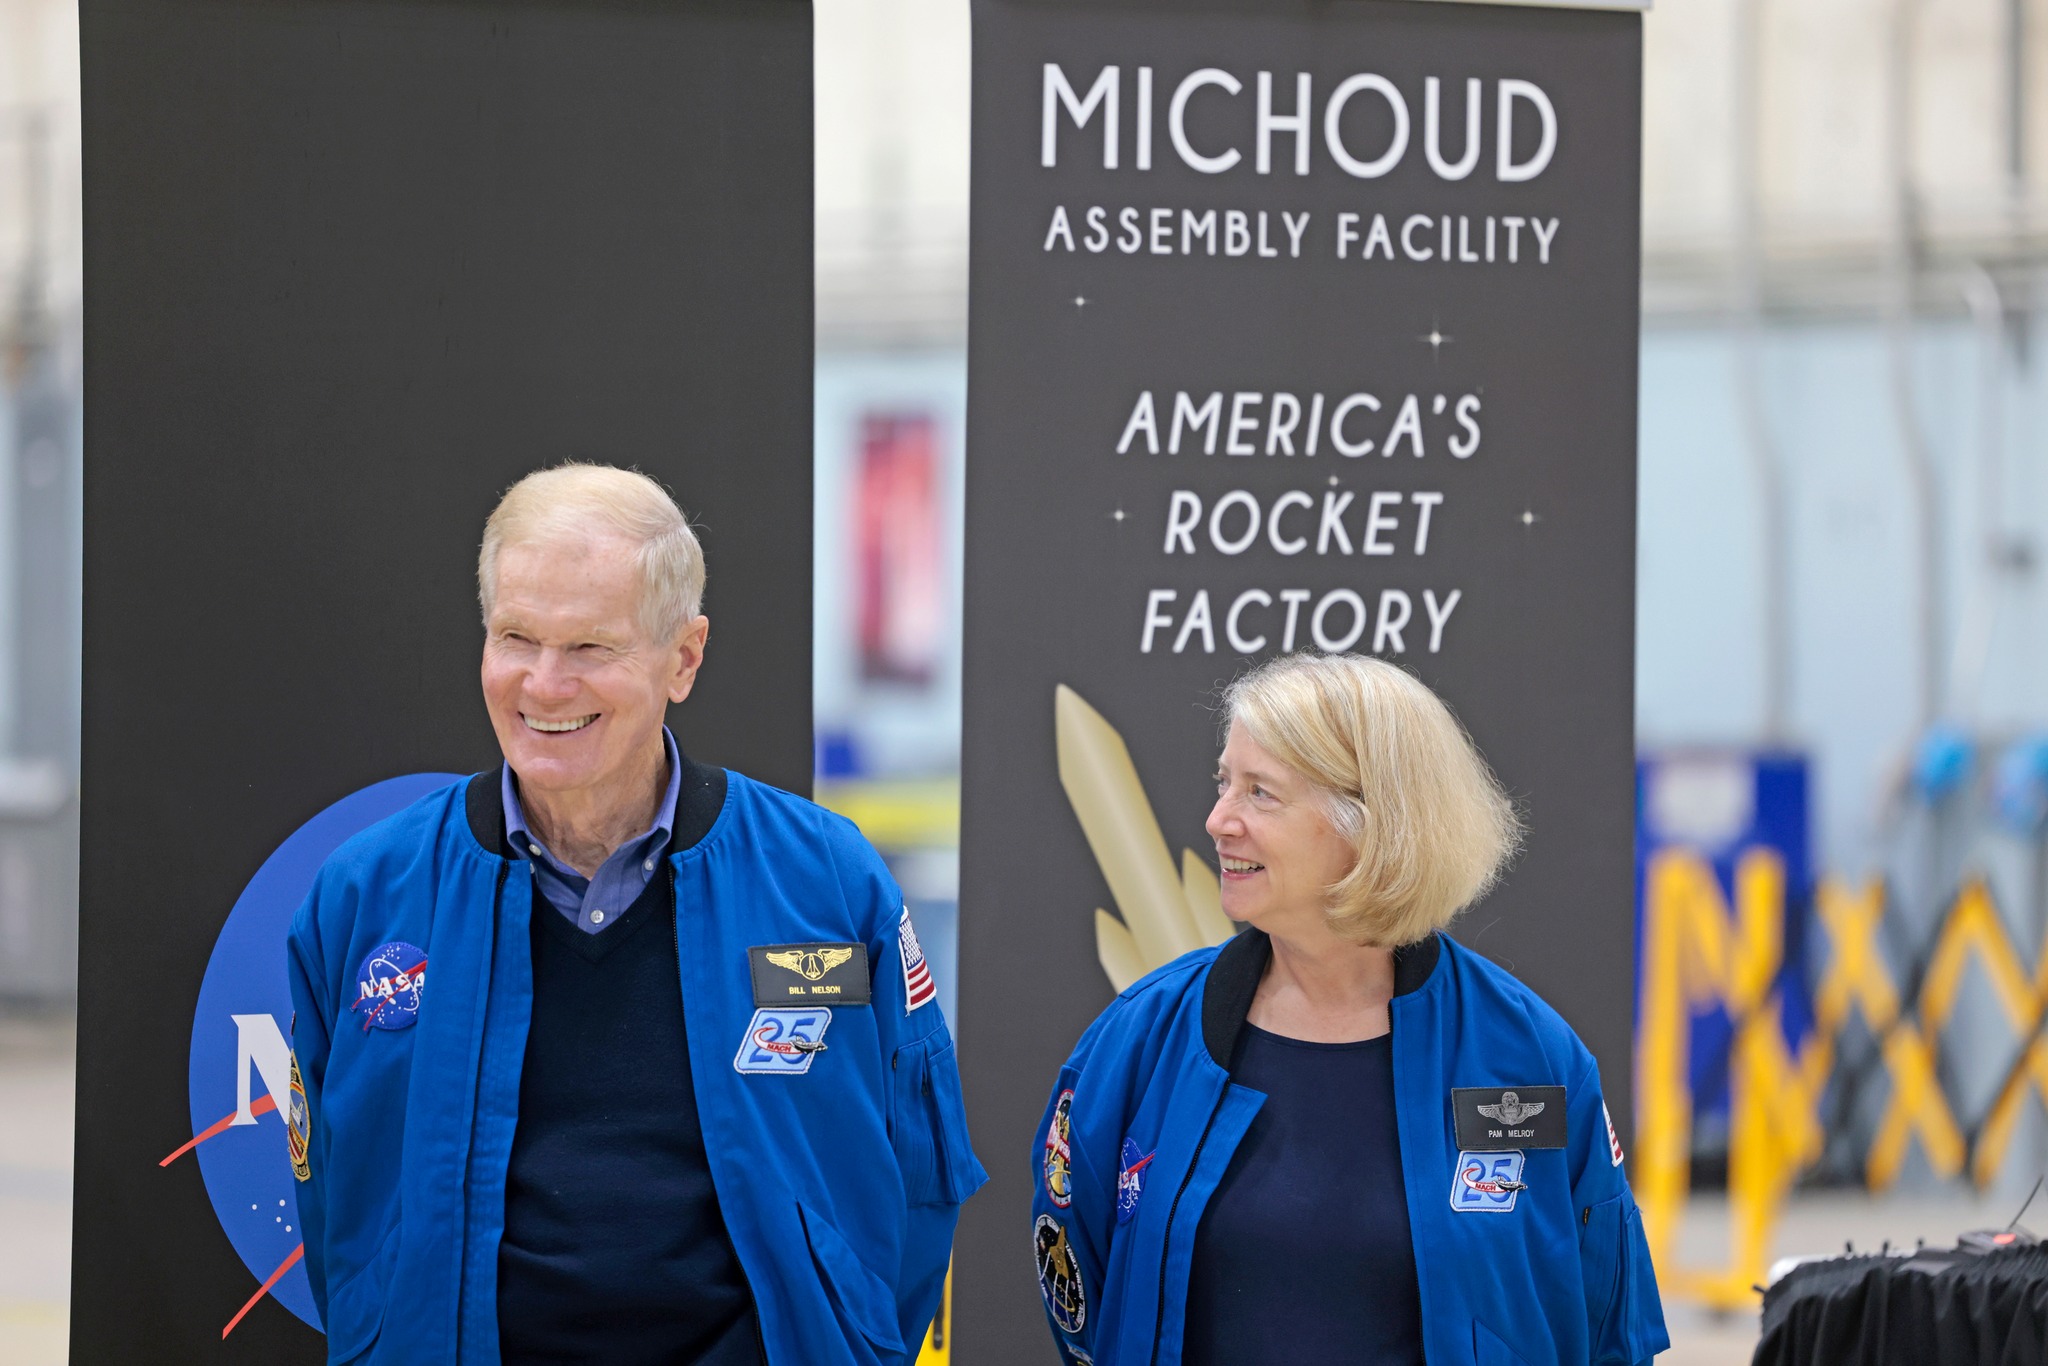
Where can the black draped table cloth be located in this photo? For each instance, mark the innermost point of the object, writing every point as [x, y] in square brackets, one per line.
[1929, 1308]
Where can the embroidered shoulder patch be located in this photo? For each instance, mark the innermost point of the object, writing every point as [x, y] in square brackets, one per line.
[1059, 1157]
[917, 976]
[298, 1124]
[389, 985]
[1613, 1140]
[1059, 1275]
[1130, 1180]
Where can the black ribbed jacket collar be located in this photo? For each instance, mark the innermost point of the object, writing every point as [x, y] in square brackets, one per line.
[1234, 980]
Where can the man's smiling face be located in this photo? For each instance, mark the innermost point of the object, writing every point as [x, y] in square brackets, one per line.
[576, 690]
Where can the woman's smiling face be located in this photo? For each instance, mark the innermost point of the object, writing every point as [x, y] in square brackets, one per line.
[1278, 851]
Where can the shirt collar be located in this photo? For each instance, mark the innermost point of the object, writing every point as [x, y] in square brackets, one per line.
[520, 837]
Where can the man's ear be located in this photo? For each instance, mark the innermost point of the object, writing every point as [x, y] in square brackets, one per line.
[689, 657]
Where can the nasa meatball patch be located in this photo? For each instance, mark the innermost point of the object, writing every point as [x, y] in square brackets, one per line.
[389, 985]
[1130, 1180]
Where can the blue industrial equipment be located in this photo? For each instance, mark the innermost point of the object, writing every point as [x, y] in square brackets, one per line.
[1721, 803]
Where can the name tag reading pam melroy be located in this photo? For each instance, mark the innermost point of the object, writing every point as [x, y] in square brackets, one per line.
[1496, 1118]
[810, 974]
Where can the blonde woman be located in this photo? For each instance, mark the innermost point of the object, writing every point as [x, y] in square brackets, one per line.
[1340, 1137]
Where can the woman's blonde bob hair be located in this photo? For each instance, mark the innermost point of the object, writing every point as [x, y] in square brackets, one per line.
[1400, 778]
[577, 499]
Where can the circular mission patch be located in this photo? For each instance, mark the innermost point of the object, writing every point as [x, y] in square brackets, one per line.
[1059, 1275]
[1059, 1157]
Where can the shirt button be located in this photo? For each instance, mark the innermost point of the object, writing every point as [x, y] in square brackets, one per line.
[533, 849]
[597, 917]
[648, 866]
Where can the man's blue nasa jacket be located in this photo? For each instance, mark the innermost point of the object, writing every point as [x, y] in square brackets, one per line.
[1556, 1273]
[839, 1181]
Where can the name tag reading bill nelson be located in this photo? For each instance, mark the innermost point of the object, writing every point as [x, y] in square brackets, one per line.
[810, 974]
[1497, 1118]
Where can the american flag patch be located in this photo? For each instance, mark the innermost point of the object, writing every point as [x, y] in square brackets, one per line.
[917, 978]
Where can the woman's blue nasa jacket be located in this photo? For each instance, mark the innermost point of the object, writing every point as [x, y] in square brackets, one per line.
[840, 1182]
[1553, 1273]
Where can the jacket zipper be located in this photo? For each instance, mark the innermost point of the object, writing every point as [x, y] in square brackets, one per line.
[675, 937]
[1166, 1241]
[1415, 1252]
[476, 1100]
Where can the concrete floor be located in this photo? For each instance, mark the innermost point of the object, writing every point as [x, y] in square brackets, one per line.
[35, 1190]
[35, 1195]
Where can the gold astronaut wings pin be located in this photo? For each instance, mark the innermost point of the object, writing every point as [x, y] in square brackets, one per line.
[807, 964]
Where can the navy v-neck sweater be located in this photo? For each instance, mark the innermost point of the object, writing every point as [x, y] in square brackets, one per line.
[614, 1249]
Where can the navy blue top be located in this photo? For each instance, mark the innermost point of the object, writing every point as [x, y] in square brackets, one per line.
[591, 903]
[615, 1249]
[1303, 1254]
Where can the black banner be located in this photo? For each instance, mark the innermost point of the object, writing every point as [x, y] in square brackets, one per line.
[352, 267]
[1293, 327]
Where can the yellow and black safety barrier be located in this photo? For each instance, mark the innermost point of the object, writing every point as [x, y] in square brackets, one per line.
[1698, 951]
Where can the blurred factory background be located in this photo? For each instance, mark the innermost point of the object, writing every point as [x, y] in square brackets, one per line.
[40, 537]
[1842, 638]
[40, 510]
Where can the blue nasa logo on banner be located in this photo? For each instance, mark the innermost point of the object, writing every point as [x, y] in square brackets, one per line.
[389, 985]
[782, 1041]
[1488, 1182]
[240, 1068]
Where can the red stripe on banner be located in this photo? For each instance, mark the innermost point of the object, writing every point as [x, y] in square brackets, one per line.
[921, 988]
[264, 1289]
[261, 1106]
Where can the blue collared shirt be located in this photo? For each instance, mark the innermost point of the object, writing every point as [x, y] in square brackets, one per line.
[595, 902]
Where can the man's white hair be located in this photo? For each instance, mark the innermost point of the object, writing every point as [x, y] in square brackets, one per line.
[581, 499]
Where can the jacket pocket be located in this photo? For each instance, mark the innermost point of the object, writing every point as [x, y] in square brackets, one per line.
[1639, 1311]
[1489, 1350]
[1600, 1267]
[355, 1308]
[1624, 1319]
[928, 1124]
[861, 1297]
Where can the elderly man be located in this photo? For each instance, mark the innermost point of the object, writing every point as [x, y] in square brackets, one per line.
[609, 1056]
